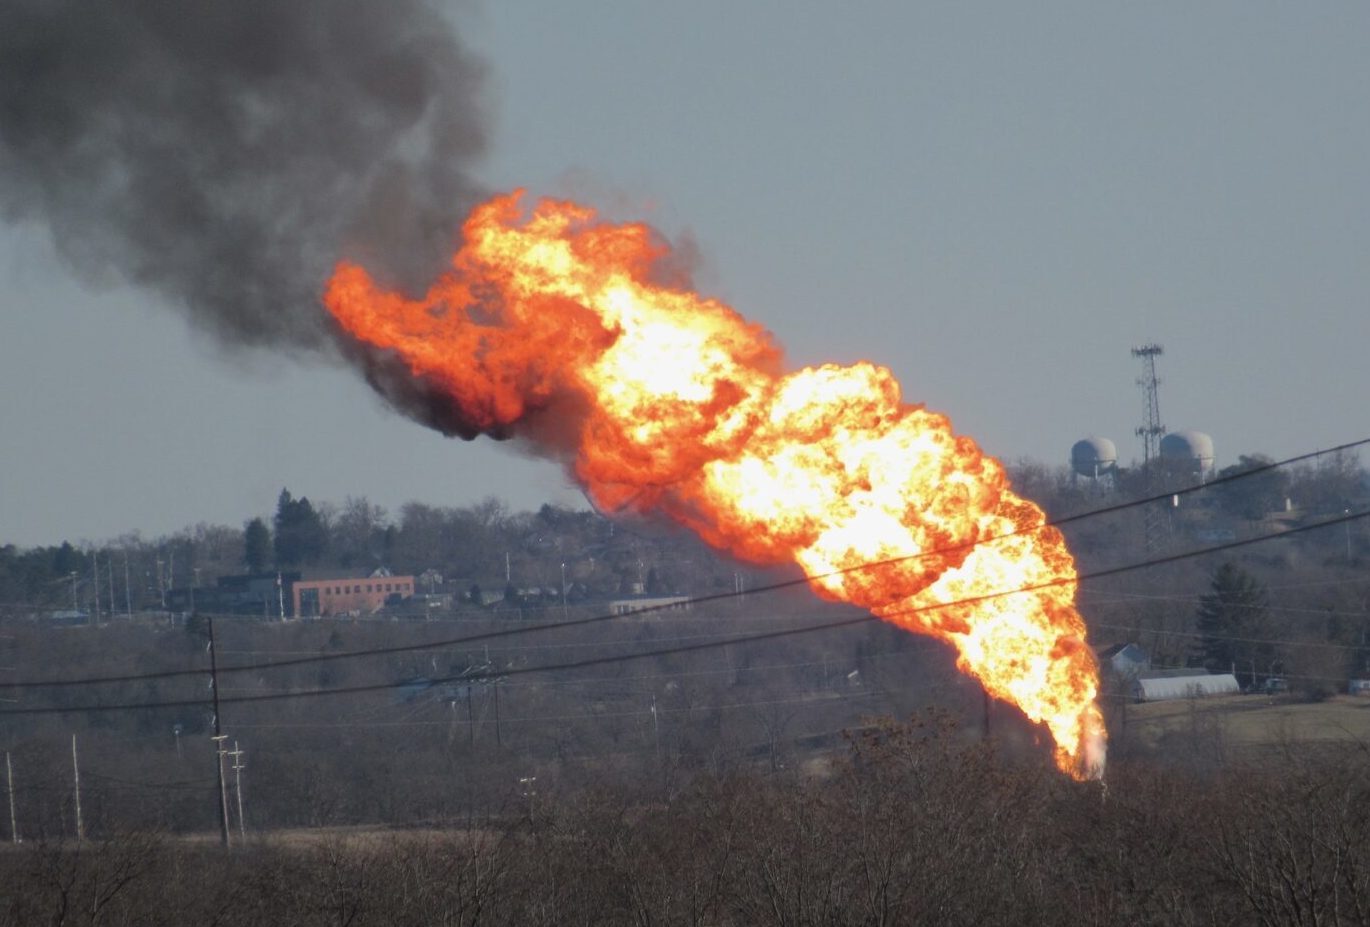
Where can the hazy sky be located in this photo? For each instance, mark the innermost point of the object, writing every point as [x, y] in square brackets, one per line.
[996, 200]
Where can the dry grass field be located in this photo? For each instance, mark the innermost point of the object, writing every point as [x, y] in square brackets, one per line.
[1252, 721]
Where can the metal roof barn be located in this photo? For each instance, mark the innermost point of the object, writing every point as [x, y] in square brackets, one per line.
[1159, 689]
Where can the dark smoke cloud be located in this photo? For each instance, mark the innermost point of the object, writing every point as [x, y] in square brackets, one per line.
[225, 154]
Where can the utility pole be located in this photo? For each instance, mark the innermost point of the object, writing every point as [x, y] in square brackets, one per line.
[470, 717]
[76, 780]
[219, 736]
[499, 742]
[238, 767]
[128, 593]
[109, 574]
[95, 585]
[656, 730]
[14, 818]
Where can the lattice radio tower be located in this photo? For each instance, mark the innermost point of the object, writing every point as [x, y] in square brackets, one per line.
[1150, 433]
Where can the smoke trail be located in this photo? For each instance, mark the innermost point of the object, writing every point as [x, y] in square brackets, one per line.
[224, 154]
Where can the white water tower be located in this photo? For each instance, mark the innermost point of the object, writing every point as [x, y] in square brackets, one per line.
[1094, 457]
[1188, 452]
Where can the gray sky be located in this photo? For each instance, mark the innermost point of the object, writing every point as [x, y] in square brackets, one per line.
[996, 200]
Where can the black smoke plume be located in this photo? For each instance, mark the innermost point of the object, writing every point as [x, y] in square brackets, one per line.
[225, 154]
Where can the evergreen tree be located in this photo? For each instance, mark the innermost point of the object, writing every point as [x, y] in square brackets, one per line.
[300, 534]
[65, 560]
[1232, 621]
[256, 545]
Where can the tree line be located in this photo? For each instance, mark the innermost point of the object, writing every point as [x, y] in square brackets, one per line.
[459, 550]
[913, 823]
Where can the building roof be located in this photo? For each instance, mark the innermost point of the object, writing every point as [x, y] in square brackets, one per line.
[1153, 688]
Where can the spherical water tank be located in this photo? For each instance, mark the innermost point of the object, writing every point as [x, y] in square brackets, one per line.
[1093, 456]
[1188, 447]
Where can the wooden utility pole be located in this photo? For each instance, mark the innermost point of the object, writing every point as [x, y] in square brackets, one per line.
[470, 717]
[76, 780]
[14, 818]
[498, 741]
[238, 767]
[656, 730]
[218, 736]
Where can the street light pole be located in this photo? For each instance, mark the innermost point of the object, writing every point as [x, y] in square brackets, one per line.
[563, 590]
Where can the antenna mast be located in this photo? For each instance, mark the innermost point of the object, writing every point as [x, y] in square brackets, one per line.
[1150, 432]
[1152, 429]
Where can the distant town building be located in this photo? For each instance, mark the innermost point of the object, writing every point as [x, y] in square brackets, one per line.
[348, 594]
[674, 603]
[265, 595]
[311, 594]
[65, 617]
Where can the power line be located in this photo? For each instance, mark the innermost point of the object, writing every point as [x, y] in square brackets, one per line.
[811, 699]
[1329, 645]
[483, 674]
[724, 596]
[1097, 595]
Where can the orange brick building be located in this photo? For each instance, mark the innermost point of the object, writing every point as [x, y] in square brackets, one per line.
[343, 595]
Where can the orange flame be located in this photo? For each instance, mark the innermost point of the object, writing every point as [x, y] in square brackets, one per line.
[680, 405]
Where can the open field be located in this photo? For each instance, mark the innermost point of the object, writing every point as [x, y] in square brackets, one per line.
[1253, 721]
